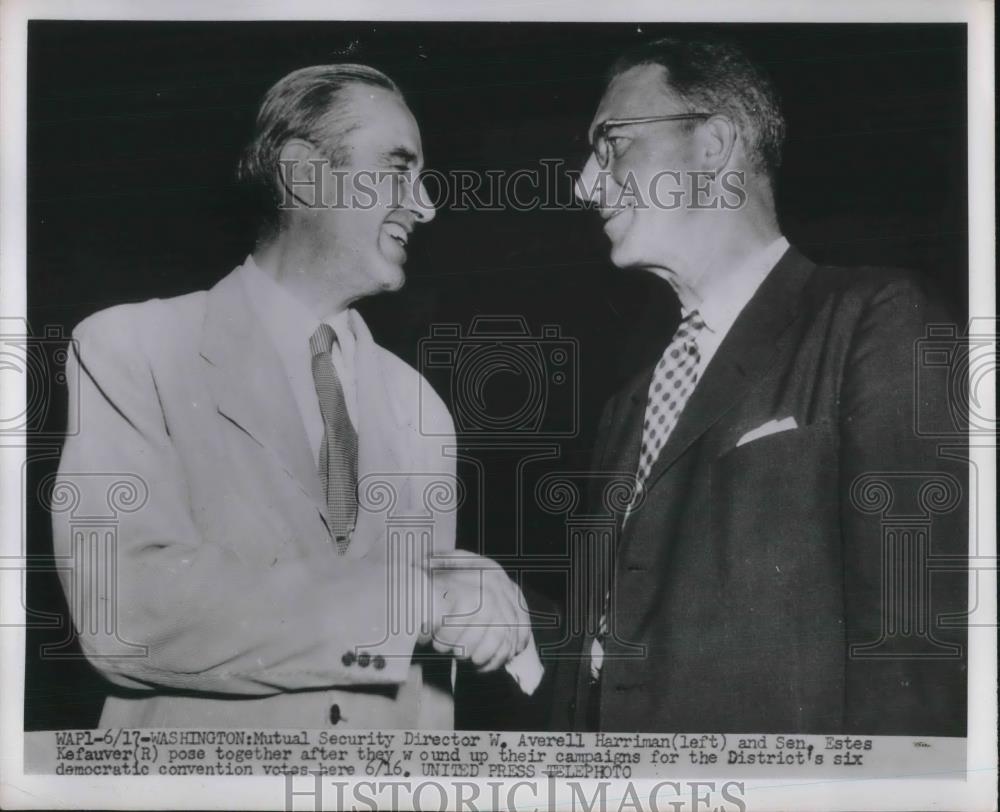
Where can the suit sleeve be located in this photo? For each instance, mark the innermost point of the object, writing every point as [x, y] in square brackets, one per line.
[437, 438]
[162, 606]
[905, 672]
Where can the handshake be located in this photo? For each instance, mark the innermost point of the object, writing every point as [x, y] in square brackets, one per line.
[477, 613]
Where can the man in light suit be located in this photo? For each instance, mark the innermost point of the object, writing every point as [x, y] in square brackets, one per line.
[270, 439]
[752, 586]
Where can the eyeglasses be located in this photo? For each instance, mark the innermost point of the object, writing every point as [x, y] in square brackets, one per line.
[601, 145]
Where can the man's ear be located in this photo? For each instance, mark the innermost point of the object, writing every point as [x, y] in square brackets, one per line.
[717, 138]
[299, 175]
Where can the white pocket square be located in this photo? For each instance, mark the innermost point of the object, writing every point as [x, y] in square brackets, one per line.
[770, 427]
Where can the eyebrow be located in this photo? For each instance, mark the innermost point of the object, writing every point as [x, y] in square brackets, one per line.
[400, 153]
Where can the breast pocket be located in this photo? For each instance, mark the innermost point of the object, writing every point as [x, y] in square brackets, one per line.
[776, 442]
[776, 490]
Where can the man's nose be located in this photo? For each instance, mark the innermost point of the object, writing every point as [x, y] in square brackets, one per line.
[420, 203]
[587, 186]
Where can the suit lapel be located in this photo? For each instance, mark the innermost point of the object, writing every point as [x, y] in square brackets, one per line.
[379, 414]
[381, 433]
[743, 355]
[625, 435]
[246, 377]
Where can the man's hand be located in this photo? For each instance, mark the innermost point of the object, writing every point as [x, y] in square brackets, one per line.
[477, 612]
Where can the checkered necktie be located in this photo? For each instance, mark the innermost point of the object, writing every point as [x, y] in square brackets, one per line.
[338, 455]
[673, 382]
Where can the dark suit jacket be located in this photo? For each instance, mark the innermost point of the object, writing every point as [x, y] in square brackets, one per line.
[750, 571]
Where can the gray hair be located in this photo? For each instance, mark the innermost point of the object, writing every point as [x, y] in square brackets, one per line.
[715, 76]
[310, 104]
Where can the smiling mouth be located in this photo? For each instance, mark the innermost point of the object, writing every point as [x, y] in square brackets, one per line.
[611, 212]
[398, 233]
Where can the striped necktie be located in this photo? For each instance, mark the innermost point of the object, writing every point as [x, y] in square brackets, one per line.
[338, 454]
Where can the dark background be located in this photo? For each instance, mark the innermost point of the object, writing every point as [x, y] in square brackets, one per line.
[134, 130]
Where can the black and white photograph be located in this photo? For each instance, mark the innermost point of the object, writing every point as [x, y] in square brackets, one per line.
[574, 408]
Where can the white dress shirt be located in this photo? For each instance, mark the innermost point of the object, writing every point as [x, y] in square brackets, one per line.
[724, 299]
[289, 325]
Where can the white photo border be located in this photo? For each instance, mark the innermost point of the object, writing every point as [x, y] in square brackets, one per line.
[975, 790]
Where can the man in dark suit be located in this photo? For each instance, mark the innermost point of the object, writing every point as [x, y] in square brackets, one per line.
[761, 569]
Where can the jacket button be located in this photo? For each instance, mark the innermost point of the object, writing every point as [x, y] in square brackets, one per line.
[379, 662]
[348, 659]
[364, 658]
[334, 714]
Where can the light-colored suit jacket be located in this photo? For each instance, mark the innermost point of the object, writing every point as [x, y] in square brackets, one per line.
[216, 596]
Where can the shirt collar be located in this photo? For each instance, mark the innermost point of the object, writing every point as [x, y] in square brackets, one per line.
[723, 301]
[288, 322]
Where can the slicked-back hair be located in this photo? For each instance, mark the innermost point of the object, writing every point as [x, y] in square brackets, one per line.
[716, 76]
[311, 104]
